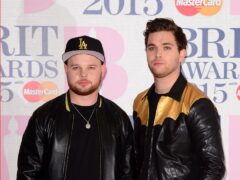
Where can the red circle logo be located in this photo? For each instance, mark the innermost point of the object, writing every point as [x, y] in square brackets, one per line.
[238, 92]
[34, 91]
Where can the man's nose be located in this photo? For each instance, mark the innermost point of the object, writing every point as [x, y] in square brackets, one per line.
[158, 53]
[83, 73]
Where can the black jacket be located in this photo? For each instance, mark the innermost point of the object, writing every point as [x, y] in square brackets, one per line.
[45, 145]
[188, 145]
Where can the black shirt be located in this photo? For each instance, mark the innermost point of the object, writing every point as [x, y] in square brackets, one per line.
[84, 156]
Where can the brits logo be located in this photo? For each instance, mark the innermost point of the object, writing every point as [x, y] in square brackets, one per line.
[193, 7]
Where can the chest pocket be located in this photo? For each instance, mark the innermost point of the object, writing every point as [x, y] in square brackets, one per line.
[174, 135]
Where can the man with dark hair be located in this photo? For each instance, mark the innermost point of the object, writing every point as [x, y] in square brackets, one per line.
[80, 134]
[177, 127]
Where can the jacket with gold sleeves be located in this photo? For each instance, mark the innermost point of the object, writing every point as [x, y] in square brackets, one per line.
[183, 140]
[45, 146]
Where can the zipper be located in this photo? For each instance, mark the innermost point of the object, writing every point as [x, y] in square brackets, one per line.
[100, 144]
[68, 148]
[146, 139]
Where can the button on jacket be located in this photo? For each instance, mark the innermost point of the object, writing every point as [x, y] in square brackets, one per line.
[45, 146]
[188, 145]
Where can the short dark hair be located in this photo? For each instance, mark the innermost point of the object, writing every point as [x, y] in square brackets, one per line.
[166, 24]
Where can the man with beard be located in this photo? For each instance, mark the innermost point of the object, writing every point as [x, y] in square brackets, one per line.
[177, 127]
[80, 134]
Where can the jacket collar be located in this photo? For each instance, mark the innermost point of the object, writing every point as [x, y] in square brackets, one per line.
[68, 104]
[176, 90]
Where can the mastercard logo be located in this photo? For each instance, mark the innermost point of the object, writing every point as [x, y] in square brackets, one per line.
[34, 91]
[193, 7]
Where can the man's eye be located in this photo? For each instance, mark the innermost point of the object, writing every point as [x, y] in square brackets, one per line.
[151, 48]
[91, 67]
[74, 68]
[167, 48]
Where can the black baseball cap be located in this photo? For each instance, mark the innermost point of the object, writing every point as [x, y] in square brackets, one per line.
[84, 45]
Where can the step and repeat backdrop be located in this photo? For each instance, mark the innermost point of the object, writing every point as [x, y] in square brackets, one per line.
[33, 37]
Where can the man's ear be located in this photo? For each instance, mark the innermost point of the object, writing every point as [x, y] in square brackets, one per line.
[183, 54]
[65, 67]
[104, 70]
